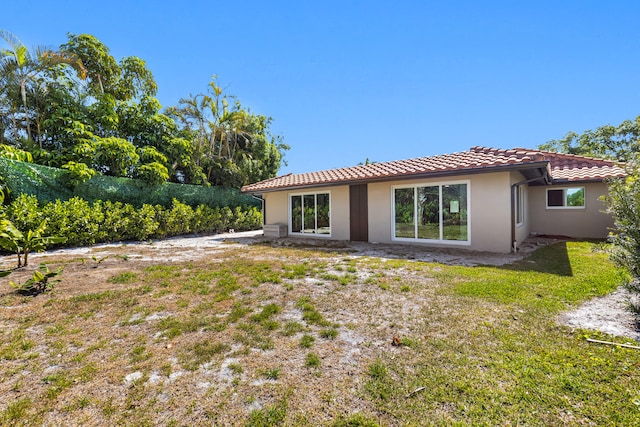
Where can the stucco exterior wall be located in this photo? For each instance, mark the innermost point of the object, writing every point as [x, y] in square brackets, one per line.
[277, 209]
[340, 212]
[522, 230]
[590, 222]
[489, 211]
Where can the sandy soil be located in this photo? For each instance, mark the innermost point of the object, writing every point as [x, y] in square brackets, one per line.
[608, 314]
[366, 318]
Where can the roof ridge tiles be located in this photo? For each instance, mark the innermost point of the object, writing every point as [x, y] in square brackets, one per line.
[561, 166]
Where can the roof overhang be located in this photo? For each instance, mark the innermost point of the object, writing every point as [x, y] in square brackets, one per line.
[531, 171]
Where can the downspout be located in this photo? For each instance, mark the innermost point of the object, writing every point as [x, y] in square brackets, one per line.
[514, 242]
[263, 202]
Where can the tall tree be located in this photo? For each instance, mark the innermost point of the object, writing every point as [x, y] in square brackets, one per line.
[29, 73]
[103, 70]
[621, 142]
[232, 145]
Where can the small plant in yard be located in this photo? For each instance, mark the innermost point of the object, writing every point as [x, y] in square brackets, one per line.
[312, 360]
[272, 373]
[329, 333]
[22, 244]
[356, 420]
[264, 317]
[307, 341]
[15, 411]
[201, 352]
[377, 370]
[310, 314]
[291, 328]
[268, 416]
[41, 281]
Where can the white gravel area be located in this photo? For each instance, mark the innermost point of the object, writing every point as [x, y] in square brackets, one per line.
[609, 314]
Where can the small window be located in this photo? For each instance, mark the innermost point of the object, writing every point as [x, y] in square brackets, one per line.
[519, 205]
[572, 197]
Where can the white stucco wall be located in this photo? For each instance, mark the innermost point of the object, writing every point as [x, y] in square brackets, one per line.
[590, 222]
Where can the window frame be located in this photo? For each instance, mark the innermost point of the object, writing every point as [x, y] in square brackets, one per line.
[440, 240]
[564, 190]
[520, 211]
[313, 233]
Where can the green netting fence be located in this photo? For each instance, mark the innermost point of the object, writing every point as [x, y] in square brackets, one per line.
[49, 184]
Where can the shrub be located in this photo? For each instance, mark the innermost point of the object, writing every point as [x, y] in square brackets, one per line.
[84, 223]
[75, 219]
[143, 223]
[623, 201]
[24, 212]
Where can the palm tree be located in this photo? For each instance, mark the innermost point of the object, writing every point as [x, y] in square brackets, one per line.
[30, 72]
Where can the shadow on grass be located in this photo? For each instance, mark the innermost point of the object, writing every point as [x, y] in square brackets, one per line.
[551, 259]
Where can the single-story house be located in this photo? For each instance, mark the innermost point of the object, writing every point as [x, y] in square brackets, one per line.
[483, 199]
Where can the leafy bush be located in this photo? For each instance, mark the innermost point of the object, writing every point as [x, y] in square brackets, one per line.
[24, 212]
[77, 173]
[74, 219]
[84, 223]
[623, 201]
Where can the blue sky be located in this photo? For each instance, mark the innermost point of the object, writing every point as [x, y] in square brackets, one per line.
[349, 80]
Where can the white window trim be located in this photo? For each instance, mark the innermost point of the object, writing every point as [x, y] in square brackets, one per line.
[520, 205]
[415, 214]
[564, 195]
[314, 193]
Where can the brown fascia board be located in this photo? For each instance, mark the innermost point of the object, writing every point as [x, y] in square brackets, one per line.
[542, 167]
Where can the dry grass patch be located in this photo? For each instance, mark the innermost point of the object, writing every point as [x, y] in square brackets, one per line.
[261, 335]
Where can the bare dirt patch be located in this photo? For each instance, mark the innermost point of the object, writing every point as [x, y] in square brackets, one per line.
[156, 332]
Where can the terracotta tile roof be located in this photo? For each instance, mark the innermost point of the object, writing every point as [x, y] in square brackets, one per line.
[569, 167]
[562, 167]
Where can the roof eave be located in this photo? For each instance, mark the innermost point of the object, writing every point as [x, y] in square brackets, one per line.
[542, 167]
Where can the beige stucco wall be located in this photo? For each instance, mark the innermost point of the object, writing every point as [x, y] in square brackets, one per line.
[590, 222]
[489, 208]
[522, 230]
[277, 209]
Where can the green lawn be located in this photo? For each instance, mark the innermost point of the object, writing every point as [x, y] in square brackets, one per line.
[264, 335]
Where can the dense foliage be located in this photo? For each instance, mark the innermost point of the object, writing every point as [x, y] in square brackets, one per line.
[78, 108]
[50, 184]
[82, 223]
[621, 142]
[623, 201]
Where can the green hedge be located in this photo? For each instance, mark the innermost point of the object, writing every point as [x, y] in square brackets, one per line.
[50, 184]
[84, 223]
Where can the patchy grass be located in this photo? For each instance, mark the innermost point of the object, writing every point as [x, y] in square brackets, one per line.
[261, 336]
